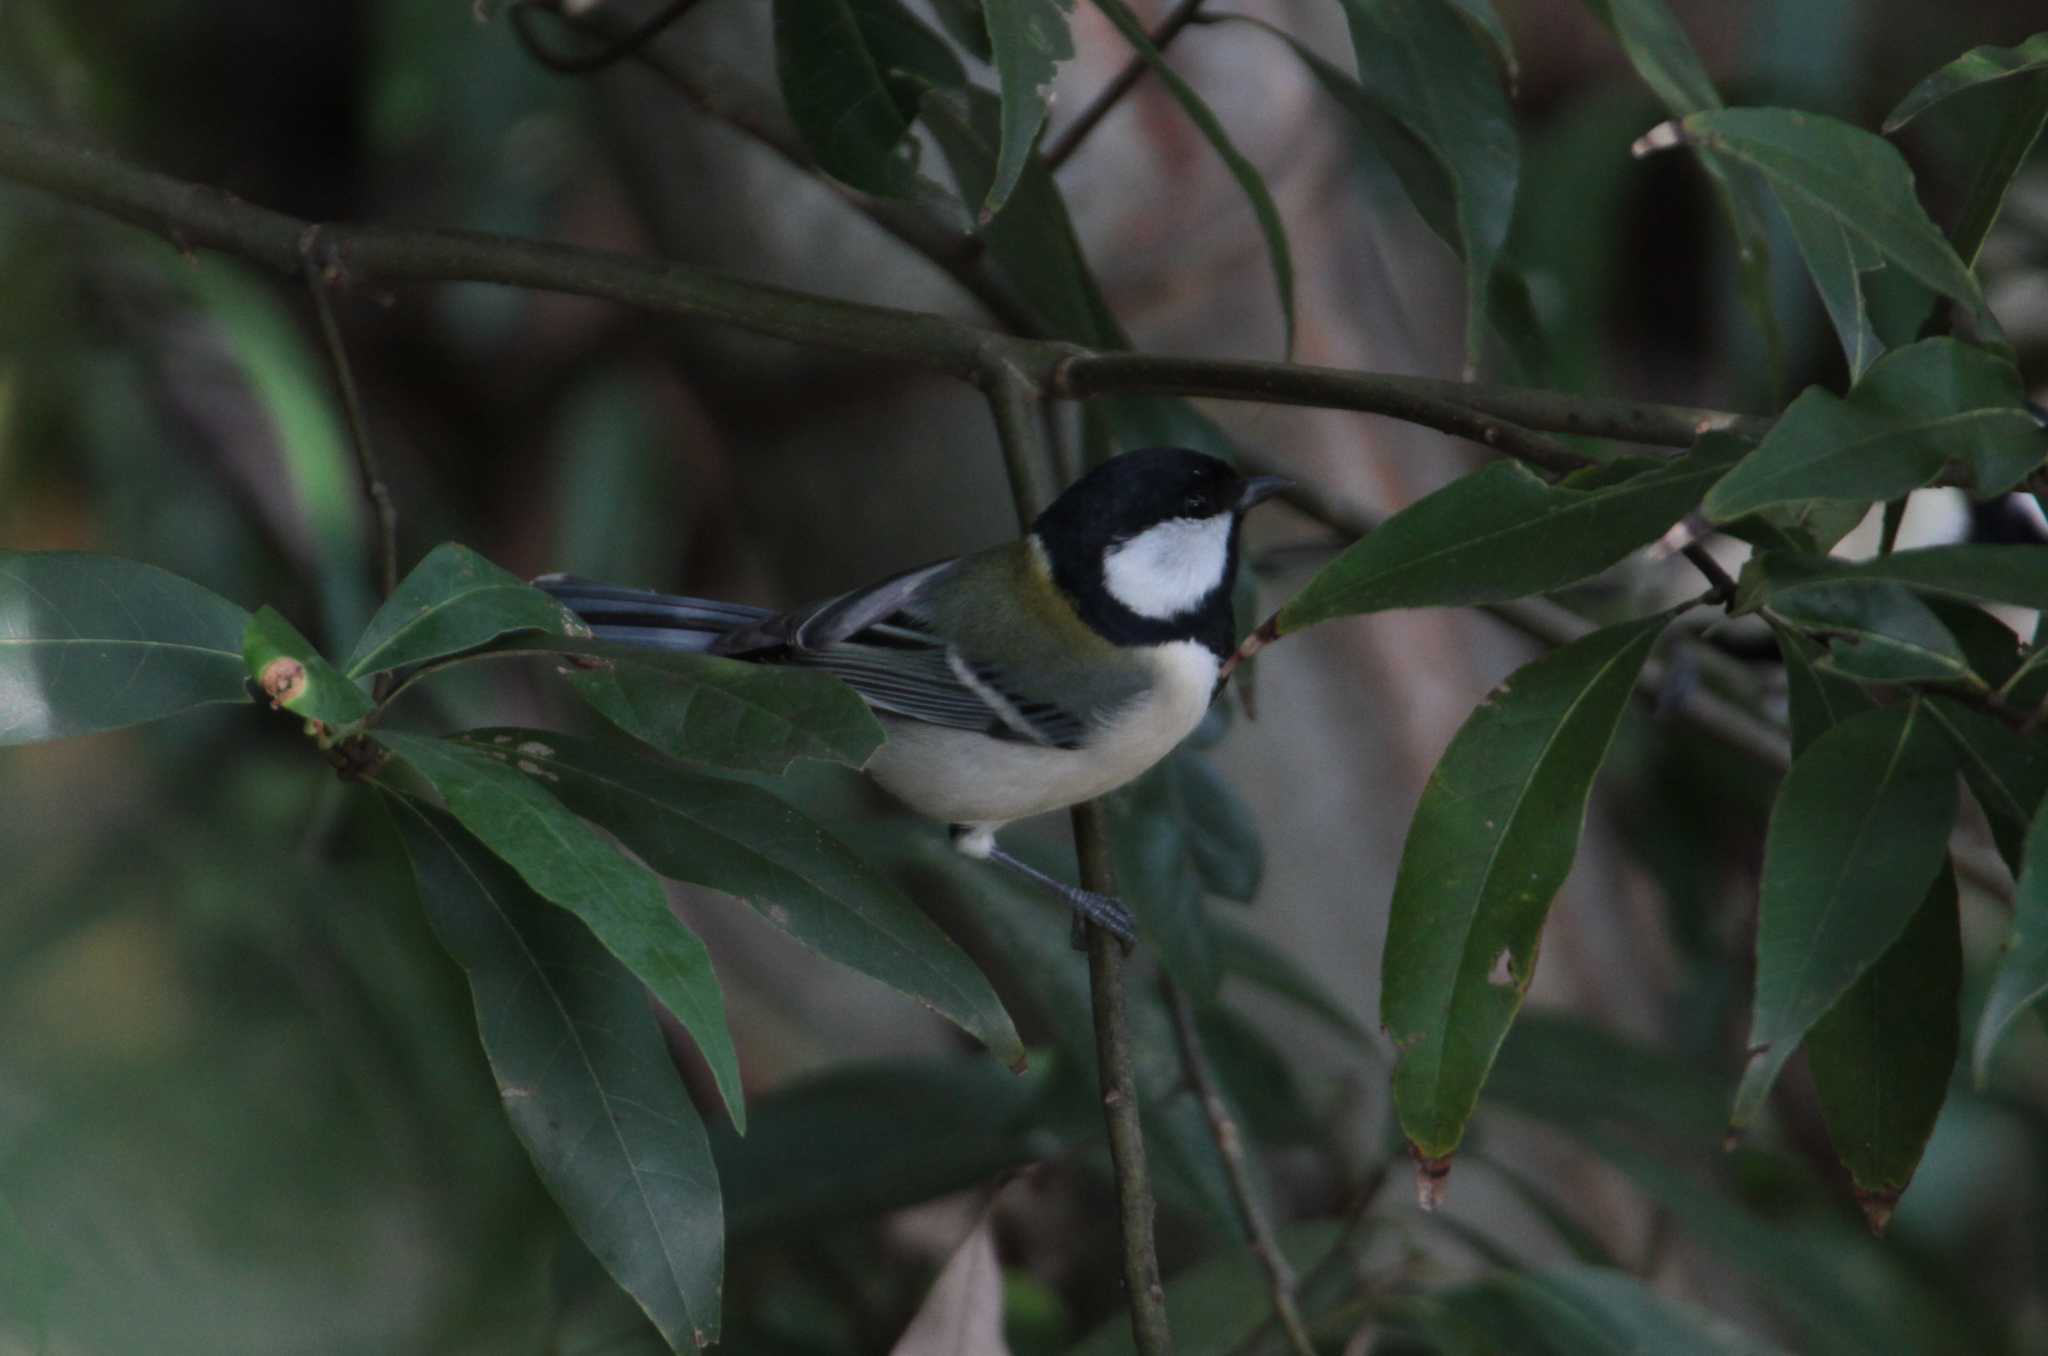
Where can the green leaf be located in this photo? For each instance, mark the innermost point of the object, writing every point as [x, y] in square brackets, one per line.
[1578, 1311]
[1569, 1072]
[1879, 633]
[748, 717]
[1990, 574]
[1836, 260]
[1156, 876]
[90, 643]
[1503, 532]
[2001, 123]
[584, 1075]
[1858, 179]
[1858, 832]
[838, 63]
[1929, 408]
[1974, 69]
[1491, 843]
[1819, 699]
[1029, 40]
[2022, 975]
[1423, 66]
[2006, 773]
[966, 22]
[565, 860]
[1278, 255]
[1223, 838]
[916, 1129]
[1248, 956]
[292, 674]
[1485, 20]
[1882, 1056]
[740, 839]
[454, 600]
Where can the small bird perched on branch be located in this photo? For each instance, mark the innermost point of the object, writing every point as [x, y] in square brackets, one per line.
[1024, 678]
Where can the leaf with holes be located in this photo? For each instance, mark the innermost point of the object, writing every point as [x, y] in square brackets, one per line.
[1859, 830]
[584, 1075]
[565, 860]
[294, 676]
[1028, 39]
[90, 643]
[1491, 843]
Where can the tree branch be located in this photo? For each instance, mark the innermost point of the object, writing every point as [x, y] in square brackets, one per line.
[1074, 133]
[1230, 1145]
[322, 273]
[191, 216]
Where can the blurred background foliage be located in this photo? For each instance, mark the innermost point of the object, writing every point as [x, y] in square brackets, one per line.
[242, 1105]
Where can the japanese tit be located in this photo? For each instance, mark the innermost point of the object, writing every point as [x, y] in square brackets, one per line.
[1020, 679]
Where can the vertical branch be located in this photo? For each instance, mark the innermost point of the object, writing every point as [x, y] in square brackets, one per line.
[1119, 1082]
[321, 269]
[1258, 1230]
[1014, 402]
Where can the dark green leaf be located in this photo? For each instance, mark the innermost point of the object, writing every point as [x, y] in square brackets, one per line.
[740, 839]
[1485, 19]
[292, 673]
[1503, 532]
[1991, 574]
[1156, 875]
[1216, 1305]
[749, 717]
[862, 1140]
[454, 600]
[1877, 632]
[1882, 1056]
[1243, 953]
[1930, 408]
[837, 61]
[1858, 179]
[1819, 699]
[1992, 647]
[584, 1075]
[1972, 70]
[1579, 1311]
[565, 860]
[1029, 40]
[1223, 839]
[90, 643]
[2022, 975]
[1278, 254]
[2007, 773]
[1859, 830]
[1836, 260]
[966, 23]
[1423, 65]
[1492, 841]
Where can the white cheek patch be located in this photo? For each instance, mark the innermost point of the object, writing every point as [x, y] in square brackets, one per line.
[1169, 569]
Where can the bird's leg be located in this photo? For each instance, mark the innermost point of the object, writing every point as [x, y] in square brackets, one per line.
[979, 841]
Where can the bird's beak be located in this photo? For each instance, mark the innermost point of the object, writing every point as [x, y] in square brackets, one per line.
[1258, 489]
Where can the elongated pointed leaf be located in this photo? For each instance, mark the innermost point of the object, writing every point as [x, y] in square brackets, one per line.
[1837, 260]
[2022, 976]
[2007, 773]
[1988, 574]
[1819, 699]
[1858, 179]
[1502, 532]
[1928, 408]
[1492, 841]
[1028, 40]
[1278, 254]
[1882, 1056]
[1425, 66]
[584, 1075]
[454, 600]
[837, 62]
[1858, 832]
[291, 672]
[564, 860]
[749, 717]
[966, 22]
[1876, 631]
[740, 839]
[90, 643]
[1974, 69]
[2015, 82]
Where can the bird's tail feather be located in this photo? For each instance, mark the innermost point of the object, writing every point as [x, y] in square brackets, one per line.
[661, 621]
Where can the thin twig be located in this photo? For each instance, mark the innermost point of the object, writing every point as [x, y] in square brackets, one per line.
[612, 48]
[1118, 1080]
[1015, 405]
[322, 272]
[1074, 133]
[192, 216]
[1258, 1230]
[1703, 561]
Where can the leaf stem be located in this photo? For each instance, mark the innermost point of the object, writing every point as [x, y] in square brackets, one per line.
[1258, 1230]
[1074, 133]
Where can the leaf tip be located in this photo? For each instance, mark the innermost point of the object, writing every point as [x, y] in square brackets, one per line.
[1432, 1178]
[1877, 1208]
[1662, 137]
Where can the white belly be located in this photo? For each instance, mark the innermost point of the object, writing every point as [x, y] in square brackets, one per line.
[961, 777]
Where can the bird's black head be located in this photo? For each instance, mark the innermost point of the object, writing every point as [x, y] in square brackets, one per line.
[1146, 545]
